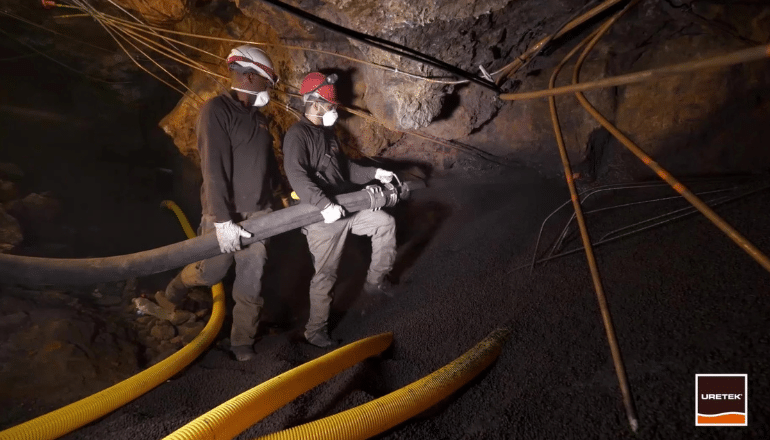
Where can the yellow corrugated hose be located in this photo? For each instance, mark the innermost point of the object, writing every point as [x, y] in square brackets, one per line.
[386, 412]
[188, 230]
[237, 414]
[71, 417]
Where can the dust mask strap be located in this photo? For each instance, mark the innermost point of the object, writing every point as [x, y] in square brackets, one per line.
[262, 98]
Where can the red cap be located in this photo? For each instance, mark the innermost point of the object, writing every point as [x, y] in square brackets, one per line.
[318, 84]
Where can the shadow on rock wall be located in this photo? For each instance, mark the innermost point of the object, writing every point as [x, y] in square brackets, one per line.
[709, 122]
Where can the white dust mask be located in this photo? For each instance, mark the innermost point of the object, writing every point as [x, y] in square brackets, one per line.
[329, 118]
[262, 98]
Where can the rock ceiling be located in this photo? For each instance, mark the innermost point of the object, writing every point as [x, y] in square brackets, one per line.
[405, 67]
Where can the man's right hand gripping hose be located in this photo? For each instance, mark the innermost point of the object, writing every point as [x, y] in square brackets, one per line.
[229, 236]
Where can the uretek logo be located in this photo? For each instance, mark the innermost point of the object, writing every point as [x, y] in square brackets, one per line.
[721, 400]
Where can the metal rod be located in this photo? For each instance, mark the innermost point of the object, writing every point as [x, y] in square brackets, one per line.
[631, 185]
[593, 191]
[610, 186]
[716, 202]
[557, 244]
[511, 68]
[595, 276]
[617, 358]
[624, 205]
[684, 212]
[737, 57]
[598, 243]
[734, 235]
[676, 211]
[382, 44]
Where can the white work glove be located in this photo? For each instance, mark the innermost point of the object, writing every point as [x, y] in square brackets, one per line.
[383, 176]
[332, 213]
[229, 236]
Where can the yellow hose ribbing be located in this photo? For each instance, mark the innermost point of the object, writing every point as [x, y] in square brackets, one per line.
[372, 418]
[188, 230]
[71, 417]
[237, 414]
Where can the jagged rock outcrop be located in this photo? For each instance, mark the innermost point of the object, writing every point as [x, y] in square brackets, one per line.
[469, 34]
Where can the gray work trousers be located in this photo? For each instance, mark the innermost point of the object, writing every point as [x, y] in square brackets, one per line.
[326, 243]
[247, 286]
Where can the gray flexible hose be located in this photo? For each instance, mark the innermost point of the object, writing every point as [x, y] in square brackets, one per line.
[79, 271]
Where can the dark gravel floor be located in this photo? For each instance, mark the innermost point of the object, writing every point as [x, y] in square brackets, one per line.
[684, 300]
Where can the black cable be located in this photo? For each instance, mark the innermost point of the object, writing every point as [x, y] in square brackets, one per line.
[385, 45]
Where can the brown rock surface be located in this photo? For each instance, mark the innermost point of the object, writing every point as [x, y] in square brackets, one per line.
[57, 348]
[158, 13]
[698, 123]
[10, 232]
[8, 191]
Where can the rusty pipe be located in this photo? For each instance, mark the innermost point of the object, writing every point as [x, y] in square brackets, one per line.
[511, 68]
[704, 209]
[609, 328]
[737, 57]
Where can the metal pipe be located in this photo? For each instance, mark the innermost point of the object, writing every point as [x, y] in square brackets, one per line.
[734, 235]
[42, 271]
[737, 57]
[617, 359]
[508, 70]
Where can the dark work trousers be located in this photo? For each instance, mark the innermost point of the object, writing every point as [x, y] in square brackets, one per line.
[247, 286]
[326, 241]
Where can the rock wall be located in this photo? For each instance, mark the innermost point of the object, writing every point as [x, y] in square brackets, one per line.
[687, 121]
[705, 122]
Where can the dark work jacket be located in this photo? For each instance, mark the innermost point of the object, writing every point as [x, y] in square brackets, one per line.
[237, 161]
[316, 168]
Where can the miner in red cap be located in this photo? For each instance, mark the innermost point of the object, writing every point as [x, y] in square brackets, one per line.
[318, 171]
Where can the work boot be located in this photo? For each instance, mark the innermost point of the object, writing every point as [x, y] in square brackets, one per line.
[160, 298]
[384, 287]
[319, 339]
[176, 291]
[243, 353]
